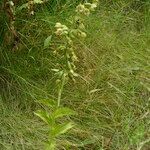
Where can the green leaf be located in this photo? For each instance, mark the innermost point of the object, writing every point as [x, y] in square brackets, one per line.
[44, 116]
[50, 145]
[60, 112]
[47, 41]
[61, 129]
[48, 102]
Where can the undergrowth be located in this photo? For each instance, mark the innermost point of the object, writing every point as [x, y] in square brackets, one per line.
[111, 96]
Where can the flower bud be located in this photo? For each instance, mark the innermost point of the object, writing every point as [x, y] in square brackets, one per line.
[83, 34]
[59, 31]
[81, 26]
[93, 6]
[58, 25]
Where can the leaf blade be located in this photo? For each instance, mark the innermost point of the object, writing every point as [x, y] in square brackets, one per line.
[61, 129]
[48, 102]
[61, 112]
[43, 115]
[47, 41]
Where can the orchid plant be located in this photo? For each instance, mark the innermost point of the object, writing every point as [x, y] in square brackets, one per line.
[65, 52]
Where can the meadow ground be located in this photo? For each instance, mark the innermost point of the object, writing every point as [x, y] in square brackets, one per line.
[111, 97]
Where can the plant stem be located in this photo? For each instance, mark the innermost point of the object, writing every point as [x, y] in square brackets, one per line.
[61, 89]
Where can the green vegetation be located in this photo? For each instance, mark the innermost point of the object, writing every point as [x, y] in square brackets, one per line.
[111, 95]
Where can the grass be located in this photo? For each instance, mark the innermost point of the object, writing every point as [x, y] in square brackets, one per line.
[113, 100]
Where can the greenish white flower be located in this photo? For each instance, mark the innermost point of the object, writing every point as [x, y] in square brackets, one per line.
[64, 27]
[83, 34]
[93, 6]
[61, 29]
[86, 11]
[80, 8]
[95, 1]
[81, 26]
[88, 4]
[11, 3]
[65, 32]
[38, 1]
[58, 25]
